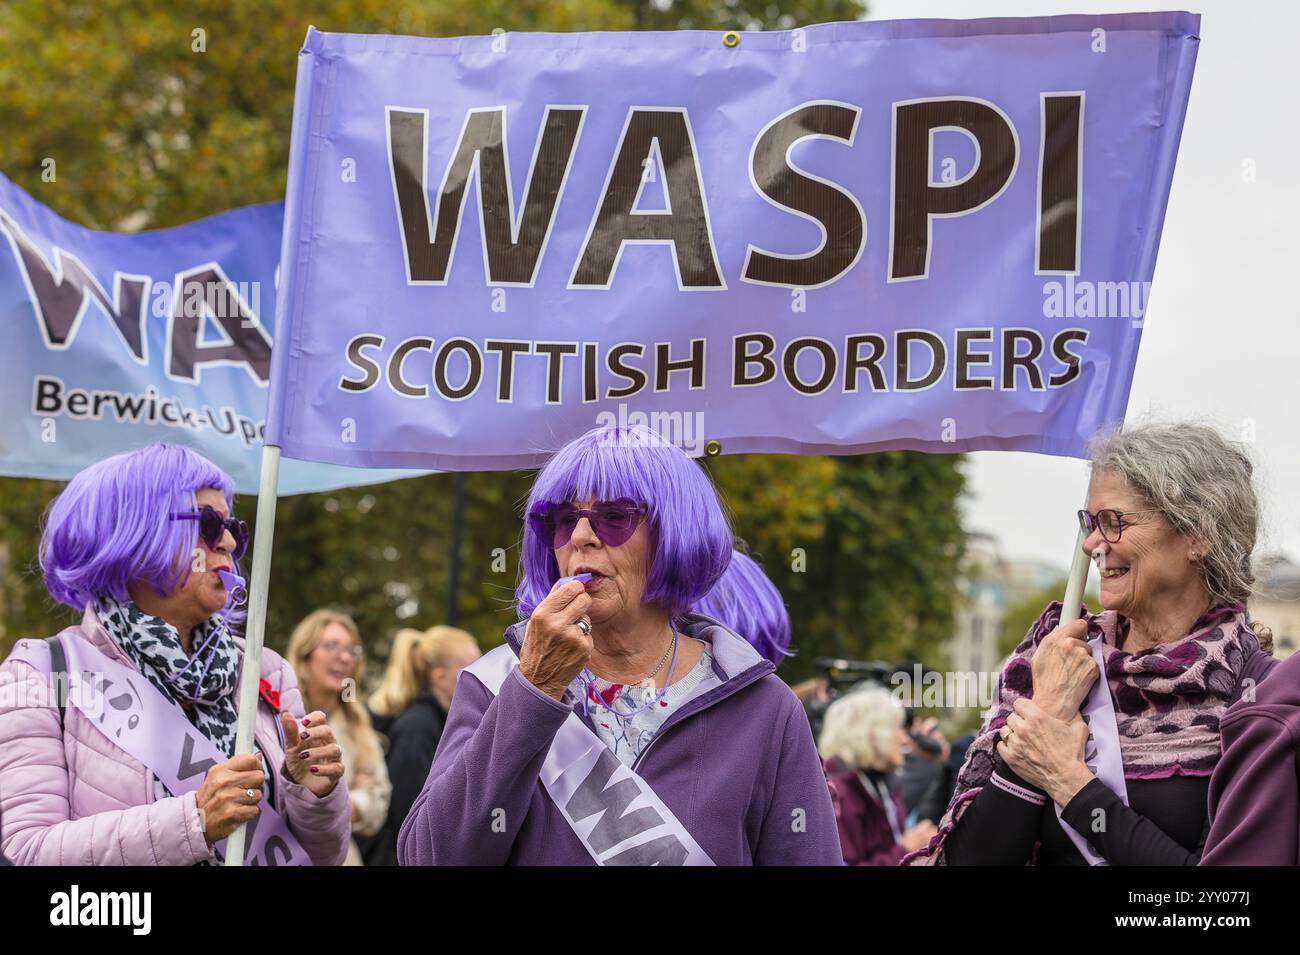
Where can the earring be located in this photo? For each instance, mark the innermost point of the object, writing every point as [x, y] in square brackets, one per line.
[1196, 555]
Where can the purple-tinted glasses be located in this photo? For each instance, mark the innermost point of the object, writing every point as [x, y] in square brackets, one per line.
[614, 522]
[212, 526]
[1109, 521]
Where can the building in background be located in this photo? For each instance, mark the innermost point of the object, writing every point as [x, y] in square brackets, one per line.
[990, 583]
[1277, 603]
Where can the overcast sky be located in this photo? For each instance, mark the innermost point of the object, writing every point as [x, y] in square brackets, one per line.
[1221, 338]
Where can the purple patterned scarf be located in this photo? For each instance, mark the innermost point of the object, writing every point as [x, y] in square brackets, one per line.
[1168, 702]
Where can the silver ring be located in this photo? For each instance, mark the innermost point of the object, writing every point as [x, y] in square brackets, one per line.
[584, 626]
[251, 794]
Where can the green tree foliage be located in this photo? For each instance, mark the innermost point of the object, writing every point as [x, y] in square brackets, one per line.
[156, 114]
[736, 14]
[147, 130]
[865, 549]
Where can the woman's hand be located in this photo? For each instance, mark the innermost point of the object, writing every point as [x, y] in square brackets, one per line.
[1046, 752]
[555, 648]
[311, 756]
[1064, 670]
[919, 836]
[224, 798]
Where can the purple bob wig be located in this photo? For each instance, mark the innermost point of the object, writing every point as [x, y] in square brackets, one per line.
[745, 600]
[691, 539]
[111, 526]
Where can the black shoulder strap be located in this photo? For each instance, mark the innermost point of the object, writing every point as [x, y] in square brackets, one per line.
[59, 670]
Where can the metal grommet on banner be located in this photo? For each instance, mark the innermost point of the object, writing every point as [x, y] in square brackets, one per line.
[731, 39]
[713, 448]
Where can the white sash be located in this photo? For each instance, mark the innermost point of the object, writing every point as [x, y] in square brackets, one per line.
[614, 813]
[1101, 753]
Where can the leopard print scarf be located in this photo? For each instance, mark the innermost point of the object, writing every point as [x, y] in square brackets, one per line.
[206, 680]
[1168, 702]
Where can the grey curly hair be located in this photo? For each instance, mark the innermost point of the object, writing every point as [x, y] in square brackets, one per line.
[1201, 483]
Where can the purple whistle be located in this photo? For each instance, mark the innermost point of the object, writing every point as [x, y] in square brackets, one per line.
[583, 578]
[236, 590]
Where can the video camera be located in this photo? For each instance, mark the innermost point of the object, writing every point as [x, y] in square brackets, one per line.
[843, 675]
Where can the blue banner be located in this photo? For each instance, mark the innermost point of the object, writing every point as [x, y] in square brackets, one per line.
[112, 341]
[937, 235]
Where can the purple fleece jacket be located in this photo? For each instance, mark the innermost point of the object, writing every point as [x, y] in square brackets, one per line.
[1254, 796]
[736, 765]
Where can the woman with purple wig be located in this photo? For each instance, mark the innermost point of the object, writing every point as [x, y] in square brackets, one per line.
[614, 725]
[138, 765]
[746, 601]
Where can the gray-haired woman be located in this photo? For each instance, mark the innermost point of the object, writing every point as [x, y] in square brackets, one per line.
[1171, 523]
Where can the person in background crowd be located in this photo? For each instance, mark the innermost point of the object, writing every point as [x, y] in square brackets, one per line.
[814, 695]
[136, 544]
[925, 768]
[747, 601]
[812, 691]
[685, 712]
[936, 798]
[862, 742]
[411, 707]
[329, 660]
[1255, 789]
[1171, 522]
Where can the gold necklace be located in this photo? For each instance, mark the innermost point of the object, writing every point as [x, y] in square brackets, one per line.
[647, 682]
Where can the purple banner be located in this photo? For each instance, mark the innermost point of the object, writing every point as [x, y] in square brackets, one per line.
[114, 341]
[936, 235]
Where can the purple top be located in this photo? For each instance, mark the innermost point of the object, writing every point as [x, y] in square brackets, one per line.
[745, 781]
[1255, 789]
[865, 832]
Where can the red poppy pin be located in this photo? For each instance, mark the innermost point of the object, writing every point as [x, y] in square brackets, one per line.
[271, 696]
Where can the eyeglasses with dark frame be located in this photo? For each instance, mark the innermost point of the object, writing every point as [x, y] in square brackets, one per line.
[1109, 521]
[212, 527]
[614, 522]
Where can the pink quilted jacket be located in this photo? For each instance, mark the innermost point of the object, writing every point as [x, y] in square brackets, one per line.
[77, 799]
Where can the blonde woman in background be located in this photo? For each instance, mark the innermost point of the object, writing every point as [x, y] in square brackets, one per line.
[329, 661]
[863, 742]
[411, 707]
